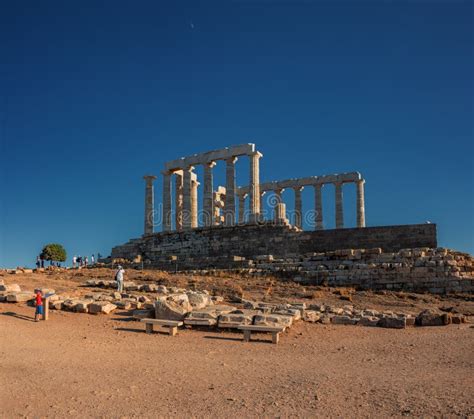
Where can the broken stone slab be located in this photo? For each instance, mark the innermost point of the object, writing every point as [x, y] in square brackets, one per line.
[318, 307]
[199, 299]
[169, 309]
[82, 306]
[70, 303]
[123, 304]
[20, 297]
[143, 314]
[10, 288]
[295, 314]
[237, 318]
[162, 289]
[272, 320]
[149, 287]
[312, 316]
[430, 317]
[369, 321]
[56, 305]
[101, 307]
[189, 321]
[345, 320]
[393, 322]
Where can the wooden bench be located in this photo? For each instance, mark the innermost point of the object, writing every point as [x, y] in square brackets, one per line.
[274, 330]
[171, 324]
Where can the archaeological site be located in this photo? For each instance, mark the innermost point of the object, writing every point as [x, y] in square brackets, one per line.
[231, 231]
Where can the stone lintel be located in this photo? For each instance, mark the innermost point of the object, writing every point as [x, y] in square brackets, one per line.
[306, 181]
[210, 156]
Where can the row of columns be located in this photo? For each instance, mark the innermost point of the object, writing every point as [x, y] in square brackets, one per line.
[186, 197]
[298, 221]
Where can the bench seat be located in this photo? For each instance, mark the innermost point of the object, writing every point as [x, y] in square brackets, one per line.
[171, 324]
[274, 330]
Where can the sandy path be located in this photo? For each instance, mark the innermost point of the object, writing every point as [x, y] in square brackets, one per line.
[104, 366]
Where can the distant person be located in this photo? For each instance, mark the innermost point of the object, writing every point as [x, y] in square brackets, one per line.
[92, 259]
[38, 262]
[42, 261]
[74, 260]
[119, 278]
[85, 261]
[39, 305]
[79, 261]
[99, 256]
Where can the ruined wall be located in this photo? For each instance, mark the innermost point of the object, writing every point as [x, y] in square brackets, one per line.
[279, 240]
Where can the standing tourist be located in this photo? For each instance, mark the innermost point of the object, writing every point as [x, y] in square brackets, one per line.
[39, 305]
[85, 261]
[38, 262]
[119, 278]
[74, 260]
[92, 259]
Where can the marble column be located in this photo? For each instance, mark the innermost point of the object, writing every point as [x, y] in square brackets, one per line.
[280, 213]
[187, 210]
[318, 206]
[178, 200]
[242, 208]
[254, 187]
[276, 201]
[208, 200]
[166, 201]
[149, 202]
[298, 207]
[339, 205]
[360, 204]
[194, 202]
[229, 208]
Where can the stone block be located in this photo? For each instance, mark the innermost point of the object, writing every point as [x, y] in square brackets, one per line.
[272, 320]
[345, 320]
[199, 300]
[10, 288]
[101, 307]
[370, 321]
[430, 317]
[20, 297]
[144, 314]
[311, 316]
[392, 323]
[169, 309]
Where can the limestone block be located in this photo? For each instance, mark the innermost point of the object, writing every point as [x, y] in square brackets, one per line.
[291, 312]
[123, 304]
[272, 320]
[370, 321]
[20, 297]
[236, 319]
[346, 320]
[172, 309]
[318, 307]
[101, 307]
[393, 322]
[10, 288]
[199, 299]
[143, 314]
[150, 288]
[69, 304]
[56, 305]
[82, 306]
[335, 310]
[431, 317]
[312, 316]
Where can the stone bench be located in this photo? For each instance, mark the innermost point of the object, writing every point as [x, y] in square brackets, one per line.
[274, 330]
[171, 324]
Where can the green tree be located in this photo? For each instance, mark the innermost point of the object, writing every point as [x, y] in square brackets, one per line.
[54, 252]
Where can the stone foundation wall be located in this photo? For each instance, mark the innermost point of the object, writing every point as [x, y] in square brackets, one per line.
[279, 240]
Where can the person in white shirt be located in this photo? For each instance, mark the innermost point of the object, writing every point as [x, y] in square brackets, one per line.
[74, 260]
[92, 260]
[119, 278]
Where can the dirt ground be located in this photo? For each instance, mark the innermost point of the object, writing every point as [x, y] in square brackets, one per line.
[106, 366]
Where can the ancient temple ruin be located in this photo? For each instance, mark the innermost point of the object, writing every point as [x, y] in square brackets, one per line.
[219, 207]
[231, 222]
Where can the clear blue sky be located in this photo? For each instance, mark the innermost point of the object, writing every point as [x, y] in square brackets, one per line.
[94, 94]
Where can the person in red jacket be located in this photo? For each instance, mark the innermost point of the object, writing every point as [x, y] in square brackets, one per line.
[39, 305]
